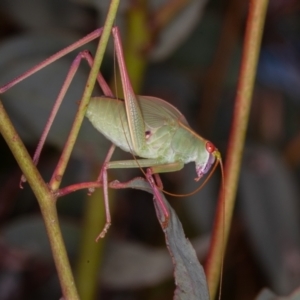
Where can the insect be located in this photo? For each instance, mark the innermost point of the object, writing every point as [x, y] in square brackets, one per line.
[150, 128]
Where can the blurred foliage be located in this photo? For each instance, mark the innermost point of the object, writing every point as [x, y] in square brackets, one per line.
[199, 77]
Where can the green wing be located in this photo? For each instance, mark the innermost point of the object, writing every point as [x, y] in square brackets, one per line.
[157, 112]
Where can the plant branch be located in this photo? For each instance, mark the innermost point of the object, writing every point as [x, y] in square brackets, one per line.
[252, 42]
[46, 201]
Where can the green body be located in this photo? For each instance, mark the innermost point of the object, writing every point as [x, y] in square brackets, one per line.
[149, 128]
[168, 137]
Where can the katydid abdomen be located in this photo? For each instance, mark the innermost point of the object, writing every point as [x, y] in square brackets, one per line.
[108, 116]
[169, 138]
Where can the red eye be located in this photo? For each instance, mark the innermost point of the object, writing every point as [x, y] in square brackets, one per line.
[210, 147]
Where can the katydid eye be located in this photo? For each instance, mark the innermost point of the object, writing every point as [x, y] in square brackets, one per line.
[210, 147]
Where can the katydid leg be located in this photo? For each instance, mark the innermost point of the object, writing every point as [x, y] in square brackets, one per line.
[83, 54]
[71, 73]
[106, 206]
[102, 178]
[152, 167]
[158, 181]
[157, 195]
[155, 165]
[101, 81]
[102, 181]
[88, 38]
[106, 161]
[134, 115]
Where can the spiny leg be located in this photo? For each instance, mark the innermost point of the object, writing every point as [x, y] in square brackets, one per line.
[154, 167]
[102, 178]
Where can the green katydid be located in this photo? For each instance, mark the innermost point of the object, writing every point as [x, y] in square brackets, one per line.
[148, 127]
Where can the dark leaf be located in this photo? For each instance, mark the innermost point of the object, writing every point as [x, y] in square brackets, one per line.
[189, 274]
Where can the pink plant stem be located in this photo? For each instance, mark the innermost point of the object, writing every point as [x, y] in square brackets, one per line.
[252, 42]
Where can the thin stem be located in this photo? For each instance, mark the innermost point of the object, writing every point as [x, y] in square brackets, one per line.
[46, 201]
[252, 42]
[45, 197]
[64, 159]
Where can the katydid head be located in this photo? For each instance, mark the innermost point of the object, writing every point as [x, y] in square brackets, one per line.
[203, 166]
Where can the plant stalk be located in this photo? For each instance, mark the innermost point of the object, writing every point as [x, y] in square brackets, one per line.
[46, 201]
[252, 42]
